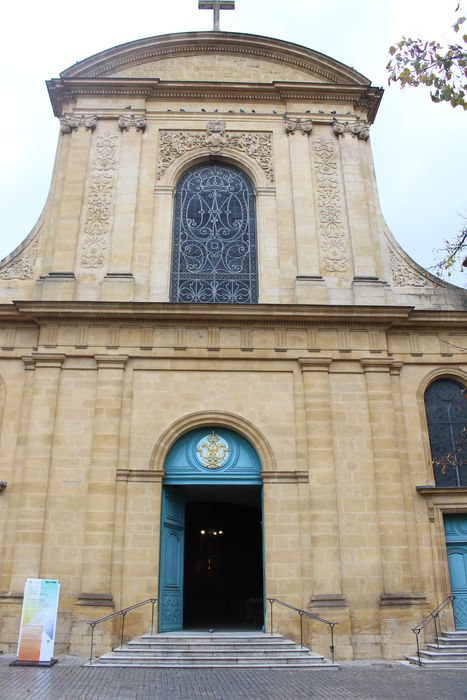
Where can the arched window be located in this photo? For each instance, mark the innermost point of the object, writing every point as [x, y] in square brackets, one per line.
[446, 412]
[214, 238]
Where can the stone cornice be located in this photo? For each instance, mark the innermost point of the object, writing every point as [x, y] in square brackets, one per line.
[63, 90]
[164, 312]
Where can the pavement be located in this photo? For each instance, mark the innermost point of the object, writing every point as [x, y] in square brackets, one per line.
[69, 679]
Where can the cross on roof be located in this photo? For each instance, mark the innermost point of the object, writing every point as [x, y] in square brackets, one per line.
[216, 5]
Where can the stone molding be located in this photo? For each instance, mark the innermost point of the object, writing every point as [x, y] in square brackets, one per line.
[399, 599]
[130, 121]
[291, 126]
[331, 216]
[97, 223]
[444, 498]
[111, 361]
[44, 359]
[141, 475]
[328, 600]
[95, 600]
[315, 364]
[357, 129]
[255, 144]
[22, 266]
[73, 122]
[285, 477]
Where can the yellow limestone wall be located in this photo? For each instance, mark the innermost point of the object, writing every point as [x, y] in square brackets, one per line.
[325, 376]
[340, 431]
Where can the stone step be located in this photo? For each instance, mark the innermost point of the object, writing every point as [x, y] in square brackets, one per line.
[443, 655]
[447, 647]
[205, 650]
[217, 664]
[438, 663]
[452, 639]
[203, 645]
[209, 653]
[231, 661]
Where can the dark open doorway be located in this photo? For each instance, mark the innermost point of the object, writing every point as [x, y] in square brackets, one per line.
[223, 573]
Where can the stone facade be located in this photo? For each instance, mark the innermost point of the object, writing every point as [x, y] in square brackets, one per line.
[99, 373]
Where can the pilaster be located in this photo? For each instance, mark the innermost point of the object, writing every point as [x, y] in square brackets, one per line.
[325, 549]
[99, 529]
[37, 459]
[398, 592]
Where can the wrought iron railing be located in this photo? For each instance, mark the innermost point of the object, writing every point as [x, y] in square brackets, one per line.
[302, 614]
[432, 616]
[123, 614]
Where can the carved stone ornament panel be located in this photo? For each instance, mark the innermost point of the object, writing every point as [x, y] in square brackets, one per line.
[129, 121]
[359, 129]
[405, 276]
[22, 266]
[71, 122]
[330, 207]
[255, 144]
[304, 126]
[99, 200]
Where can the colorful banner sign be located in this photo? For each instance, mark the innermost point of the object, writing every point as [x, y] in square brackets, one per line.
[38, 621]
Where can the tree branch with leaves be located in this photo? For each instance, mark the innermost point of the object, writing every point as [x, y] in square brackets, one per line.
[443, 68]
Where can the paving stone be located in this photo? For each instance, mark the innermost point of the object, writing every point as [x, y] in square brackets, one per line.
[69, 679]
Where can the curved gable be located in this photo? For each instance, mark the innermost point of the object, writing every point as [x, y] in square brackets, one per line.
[171, 57]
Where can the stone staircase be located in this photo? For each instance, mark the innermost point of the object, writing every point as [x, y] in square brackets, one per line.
[213, 650]
[449, 650]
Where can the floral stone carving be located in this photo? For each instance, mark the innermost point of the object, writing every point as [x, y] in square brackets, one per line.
[22, 266]
[99, 199]
[405, 276]
[330, 209]
[255, 144]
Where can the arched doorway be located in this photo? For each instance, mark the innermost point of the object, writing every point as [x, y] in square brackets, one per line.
[211, 555]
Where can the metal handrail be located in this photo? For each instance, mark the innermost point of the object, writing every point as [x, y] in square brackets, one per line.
[433, 615]
[123, 612]
[304, 613]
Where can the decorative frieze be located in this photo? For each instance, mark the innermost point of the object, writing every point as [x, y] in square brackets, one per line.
[22, 266]
[405, 276]
[130, 121]
[357, 129]
[330, 208]
[72, 122]
[255, 144]
[99, 200]
[292, 126]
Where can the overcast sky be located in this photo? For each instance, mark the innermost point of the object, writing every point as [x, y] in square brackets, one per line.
[419, 148]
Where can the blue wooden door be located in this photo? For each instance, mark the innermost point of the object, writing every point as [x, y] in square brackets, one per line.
[456, 540]
[171, 561]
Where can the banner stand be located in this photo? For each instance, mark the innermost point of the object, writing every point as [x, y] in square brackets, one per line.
[38, 623]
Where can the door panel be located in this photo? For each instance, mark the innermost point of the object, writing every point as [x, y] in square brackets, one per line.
[456, 539]
[171, 561]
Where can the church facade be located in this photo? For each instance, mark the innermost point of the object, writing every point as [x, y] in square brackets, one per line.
[221, 379]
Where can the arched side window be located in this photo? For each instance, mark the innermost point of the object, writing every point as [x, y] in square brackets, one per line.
[214, 258]
[446, 412]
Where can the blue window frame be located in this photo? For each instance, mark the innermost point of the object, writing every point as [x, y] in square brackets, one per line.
[446, 412]
[214, 259]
